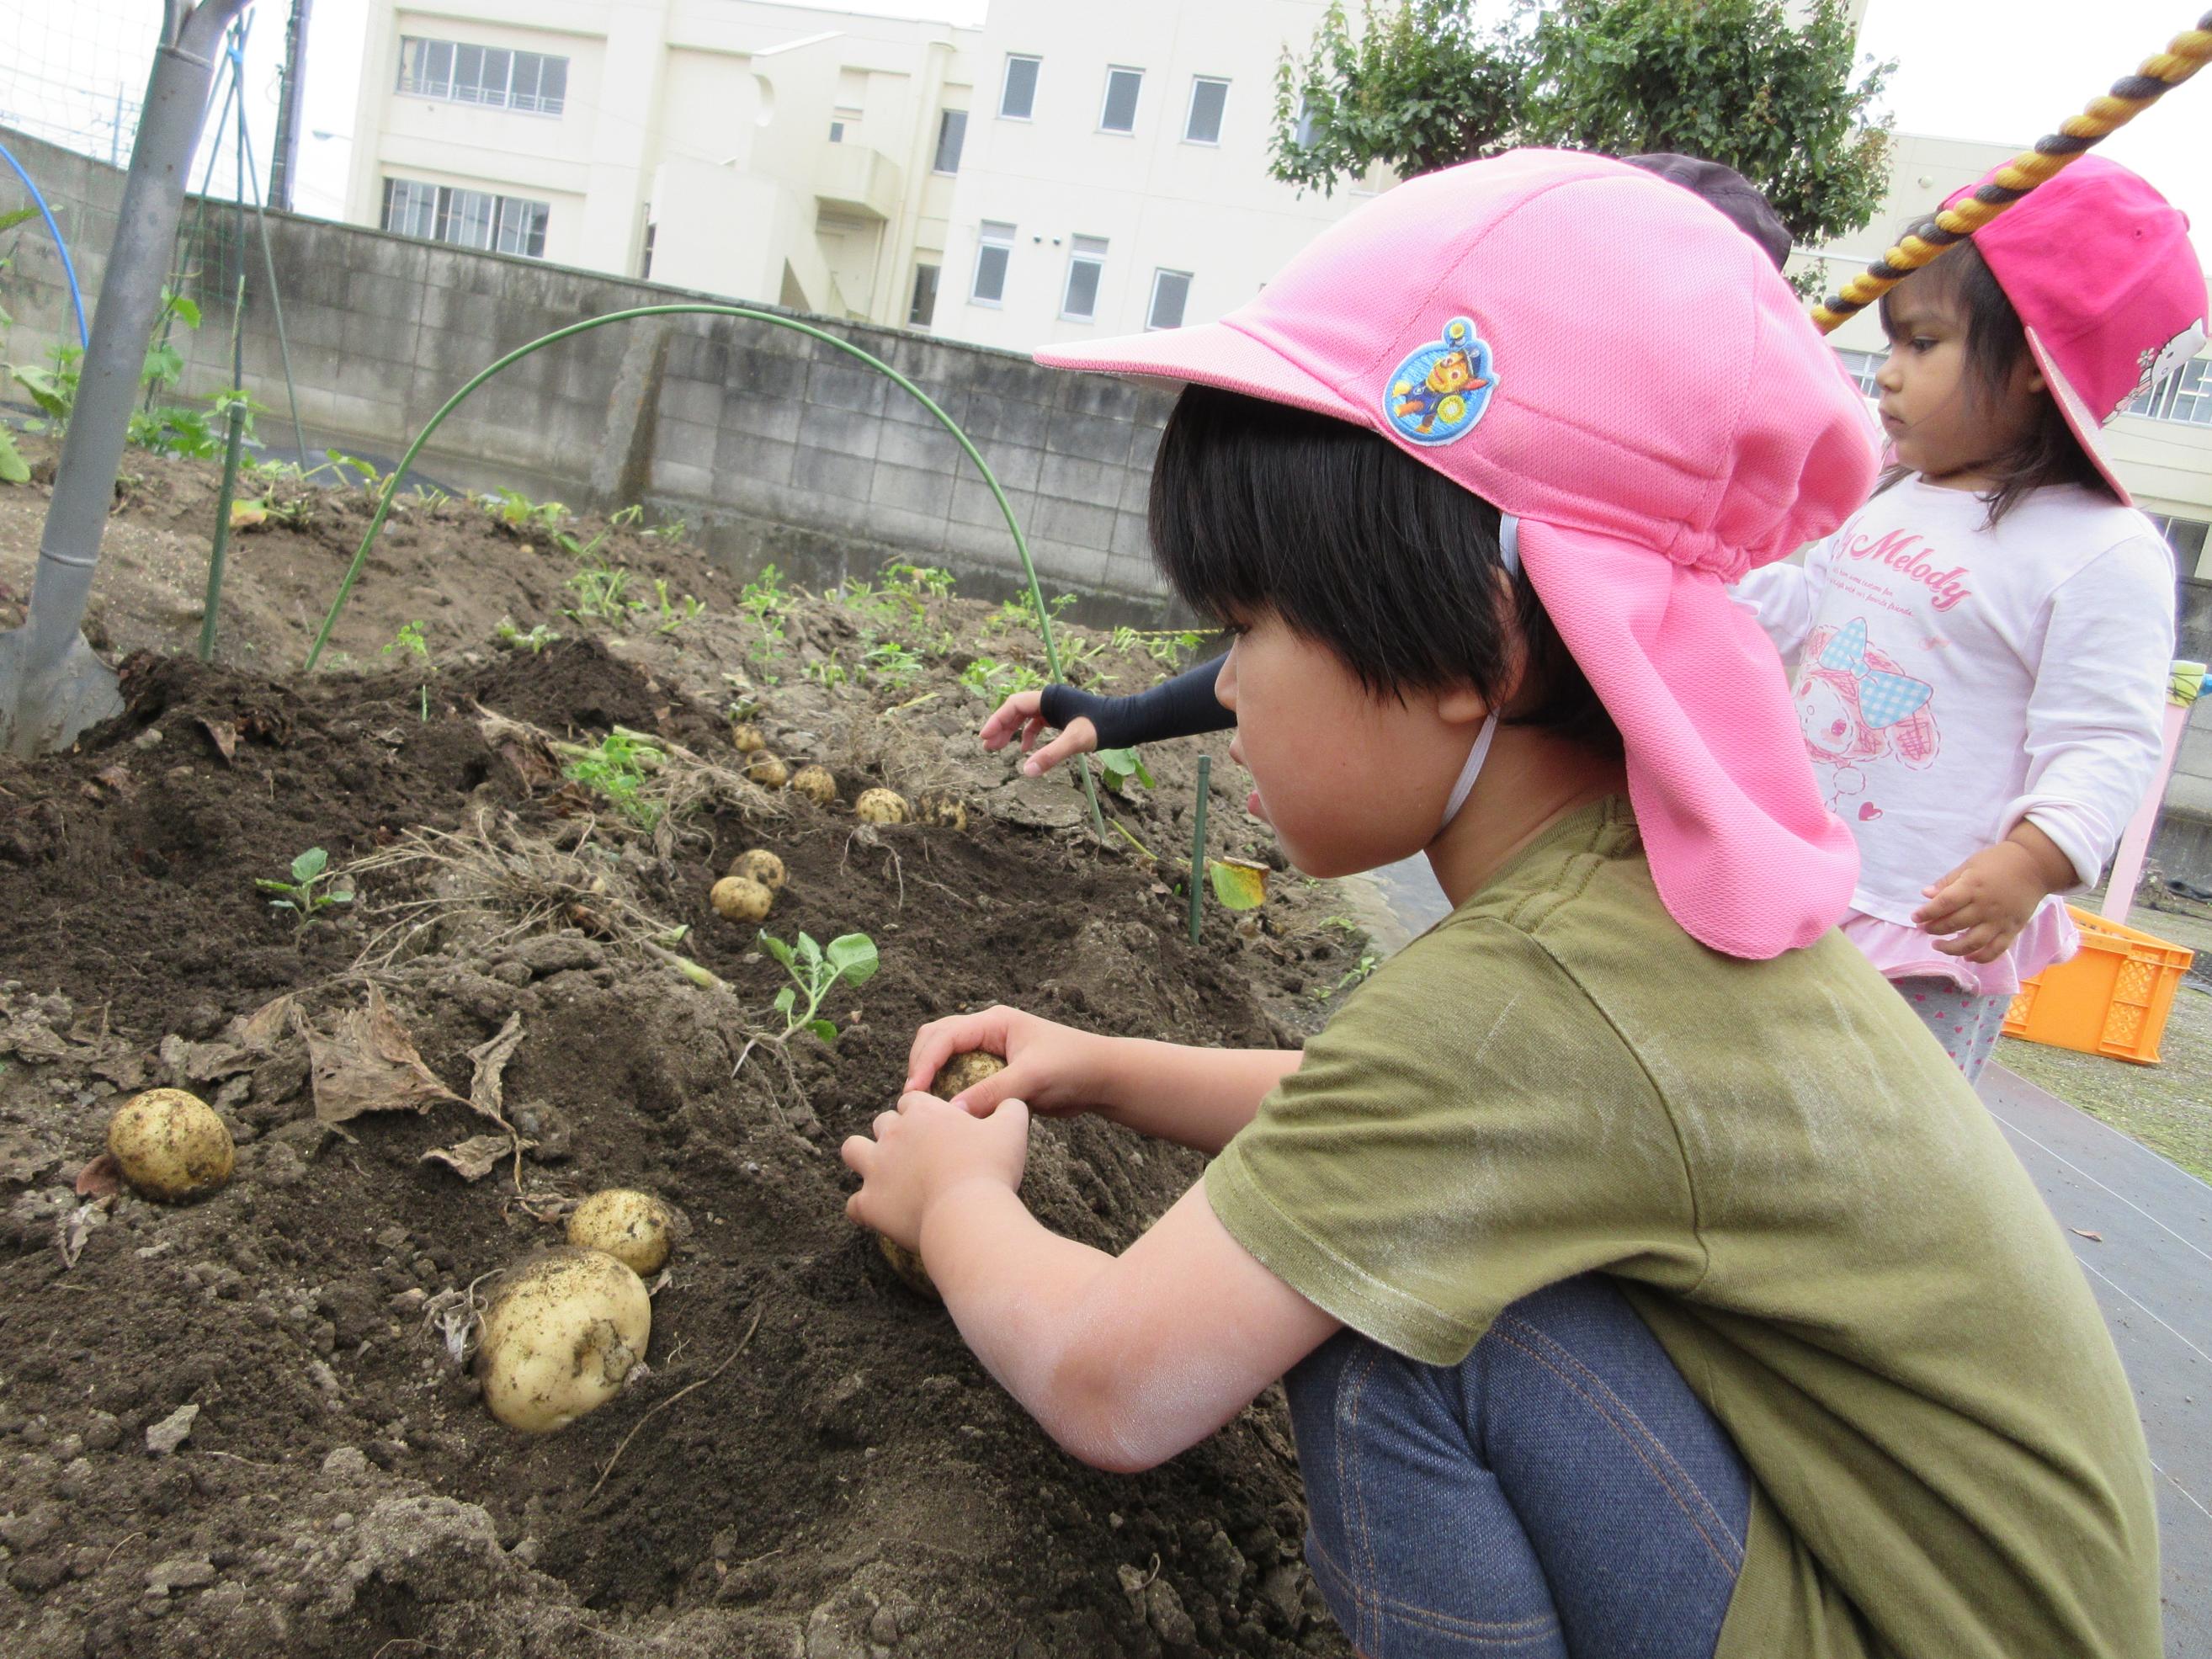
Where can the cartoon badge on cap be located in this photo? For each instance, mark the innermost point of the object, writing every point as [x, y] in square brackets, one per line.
[1441, 389]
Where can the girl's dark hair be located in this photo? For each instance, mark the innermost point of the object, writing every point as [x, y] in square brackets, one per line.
[1997, 345]
[1256, 506]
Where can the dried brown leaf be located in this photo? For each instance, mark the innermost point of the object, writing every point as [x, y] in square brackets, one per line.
[102, 1178]
[474, 1158]
[224, 735]
[368, 1064]
[487, 1091]
[2084, 1232]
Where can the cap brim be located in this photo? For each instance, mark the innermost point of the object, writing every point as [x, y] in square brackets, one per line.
[1217, 354]
[1745, 855]
[2088, 431]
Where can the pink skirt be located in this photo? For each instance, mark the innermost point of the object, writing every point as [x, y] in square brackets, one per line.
[1904, 952]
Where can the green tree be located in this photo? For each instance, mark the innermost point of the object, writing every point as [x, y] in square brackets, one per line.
[1420, 85]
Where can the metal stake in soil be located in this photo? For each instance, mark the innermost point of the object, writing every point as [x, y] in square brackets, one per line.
[1198, 846]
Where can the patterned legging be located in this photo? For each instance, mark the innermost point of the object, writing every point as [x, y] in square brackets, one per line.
[1966, 1022]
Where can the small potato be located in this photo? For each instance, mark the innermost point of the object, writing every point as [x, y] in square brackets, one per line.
[965, 1071]
[881, 806]
[561, 1337]
[767, 770]
[747, 739]
[739, 899]
[634, 1228]
[816, 783]
[947, 811]
[907, 1264]
[171, 1144]
[761, 866]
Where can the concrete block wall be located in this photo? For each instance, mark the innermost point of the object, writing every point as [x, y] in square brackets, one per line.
[729, 420]
[755, 431]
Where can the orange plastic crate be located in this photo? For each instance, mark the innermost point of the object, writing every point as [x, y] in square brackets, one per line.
[2112, 999]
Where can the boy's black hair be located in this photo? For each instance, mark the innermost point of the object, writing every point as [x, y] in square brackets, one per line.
[1257, 506]
[1996, 344]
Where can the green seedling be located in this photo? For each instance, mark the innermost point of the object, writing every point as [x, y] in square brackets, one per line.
[889, 663]
[615, 767]
[815, 970]
[628, 518]
[302, 895]
[826, 671]
[1118, 767]
[515, 513]
[509, 637]
[988, 677]
[1353, 975]
[673, 532]
[921, 578]
[601, 592]
[674, 613]
[409, 642]
[763, 599]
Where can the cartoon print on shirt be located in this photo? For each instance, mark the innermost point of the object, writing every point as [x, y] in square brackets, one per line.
[1856, 706]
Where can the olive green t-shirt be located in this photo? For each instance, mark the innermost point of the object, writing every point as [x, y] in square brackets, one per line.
[1800, 1196]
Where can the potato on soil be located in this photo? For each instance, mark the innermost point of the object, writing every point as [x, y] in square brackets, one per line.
[907, 1264]
[561, 1337]
[739, 899]
[881, 806]
[171, 1144]
[761, 866]
[816, 783]
[944, 810]
[767, 770]
[634, 1228]
[747, 739]
[965, 1072]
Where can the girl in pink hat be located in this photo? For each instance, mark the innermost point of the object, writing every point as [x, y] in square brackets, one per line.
[1983, 649]
[1642, 1280]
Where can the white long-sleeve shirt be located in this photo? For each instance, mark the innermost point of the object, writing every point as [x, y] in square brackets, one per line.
[1955, 677]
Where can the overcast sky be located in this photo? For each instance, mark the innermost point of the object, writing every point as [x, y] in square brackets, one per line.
[1957, 77]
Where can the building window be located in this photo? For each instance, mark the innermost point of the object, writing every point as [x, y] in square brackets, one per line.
[1120, 113]
[2185, 395]
[995, 249]
[1017, 97]
[923, 311]
[1170, 292]
[1862, 367]
[531, 82]
[645, 264]
[1086, 264]
[1309, 121]
[836, 132]
[2186, 537]
[951, 135]
[1208, 98]
[465, 218]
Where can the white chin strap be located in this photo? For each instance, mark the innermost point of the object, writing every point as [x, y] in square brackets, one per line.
[1509, 553]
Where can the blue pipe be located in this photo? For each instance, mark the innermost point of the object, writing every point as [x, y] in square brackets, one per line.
[69, 270]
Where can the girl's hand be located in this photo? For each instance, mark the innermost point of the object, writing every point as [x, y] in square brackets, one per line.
[1020, 715]
[1055, 1068]
[1983, 904]
[925, 1150]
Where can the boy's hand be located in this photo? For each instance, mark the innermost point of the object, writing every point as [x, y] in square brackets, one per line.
[1021, 714]
[924, 1150]
[1053, 1068]
[1983, 904]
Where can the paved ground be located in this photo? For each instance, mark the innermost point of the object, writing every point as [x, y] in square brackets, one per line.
[2151, 1267]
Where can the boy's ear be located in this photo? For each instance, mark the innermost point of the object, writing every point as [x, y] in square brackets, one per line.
[1462, 705]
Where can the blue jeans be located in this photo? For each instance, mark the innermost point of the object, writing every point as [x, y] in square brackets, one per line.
[1560, 1491]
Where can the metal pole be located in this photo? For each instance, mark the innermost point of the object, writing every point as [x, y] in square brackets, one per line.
[284, 153]
[51, 687]
[1198, 847]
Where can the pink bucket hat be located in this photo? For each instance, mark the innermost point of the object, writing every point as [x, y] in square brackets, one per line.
[2099, 266]
[1615, 365]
